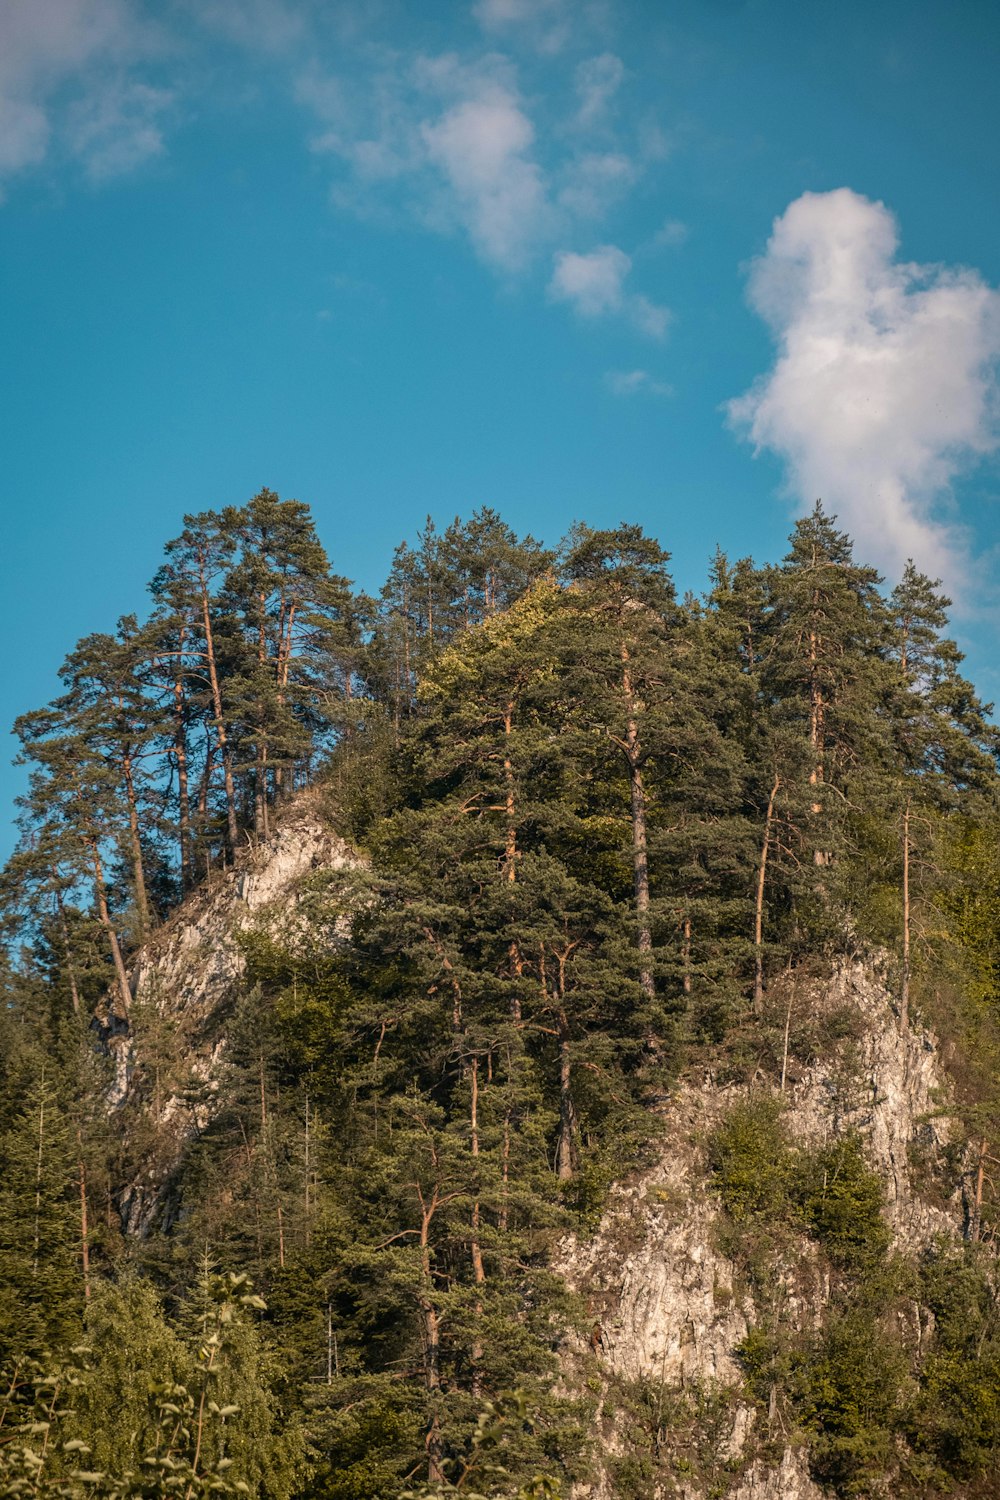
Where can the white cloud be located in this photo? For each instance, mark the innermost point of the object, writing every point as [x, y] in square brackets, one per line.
[884, 386]
[497, 13]
[649, 317]
[444, 142]
[594, 285]
[482, 147]
[261, 25]
[544, 21]
[64, 77]
[24, 134]
[671, 232]
[597, 80]
[636, 383]
[115, 129]
[595, 182]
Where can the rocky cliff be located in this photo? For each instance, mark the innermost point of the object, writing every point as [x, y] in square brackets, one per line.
[184, 982]
[670, 1308]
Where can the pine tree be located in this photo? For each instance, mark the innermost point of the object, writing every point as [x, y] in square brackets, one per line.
[943, 744]
[41, 1235]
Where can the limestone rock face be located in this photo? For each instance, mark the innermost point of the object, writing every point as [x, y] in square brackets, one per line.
[666, 1302]
[185, 979]
[192, 962]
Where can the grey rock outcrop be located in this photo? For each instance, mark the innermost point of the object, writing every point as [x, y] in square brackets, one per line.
[667, 1304]
[185, 979]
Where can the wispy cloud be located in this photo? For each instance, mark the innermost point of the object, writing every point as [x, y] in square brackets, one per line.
[597, 80]
[260, 25]
[68, 80]
[453, 143]
[595, 181]
[545, 23]
[594, 285]
[115, 129]
[482, 146]
[672, 232]
[636, 383]
[884, 387]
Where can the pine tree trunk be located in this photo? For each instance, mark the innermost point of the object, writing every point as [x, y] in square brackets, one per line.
[567, 1121]
[181, 761]
[432, 1335]
[104, 916]
[758, 925]
[502, 1217]
[135, 846]
[220, 728]
[904, 998]
[640, 855]
[686, 955]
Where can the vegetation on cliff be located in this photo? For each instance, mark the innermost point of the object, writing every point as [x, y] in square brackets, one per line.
[599, 822]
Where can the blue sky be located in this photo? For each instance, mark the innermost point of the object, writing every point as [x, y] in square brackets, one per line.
[689, 264]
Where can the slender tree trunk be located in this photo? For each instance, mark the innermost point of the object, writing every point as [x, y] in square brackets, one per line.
[104, 916]
[135, 846]
[502, 1217]
[220, 728]
[758, 921]
[566, 1152]
[260, 758]
[640, 855]
[406, 650]
[976, 1220]
[904, 998]
[686, 954]
[181, 760]
[566, 1156]
[432, 1334]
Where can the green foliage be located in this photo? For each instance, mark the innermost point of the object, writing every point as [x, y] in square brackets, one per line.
[851, 1389]
[955, 1413]
[753, 1165]
[148, 1410]
[843, 1206]
[599, 821]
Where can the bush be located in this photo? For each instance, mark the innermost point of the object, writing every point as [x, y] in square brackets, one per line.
[753, 1165]
[843, 1206]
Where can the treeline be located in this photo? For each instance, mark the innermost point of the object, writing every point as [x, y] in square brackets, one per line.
[599, 819]
[776, 713]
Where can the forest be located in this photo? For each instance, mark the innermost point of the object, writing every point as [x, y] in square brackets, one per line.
[598, 828]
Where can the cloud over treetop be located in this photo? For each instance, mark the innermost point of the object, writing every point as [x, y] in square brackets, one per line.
[884, 384]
